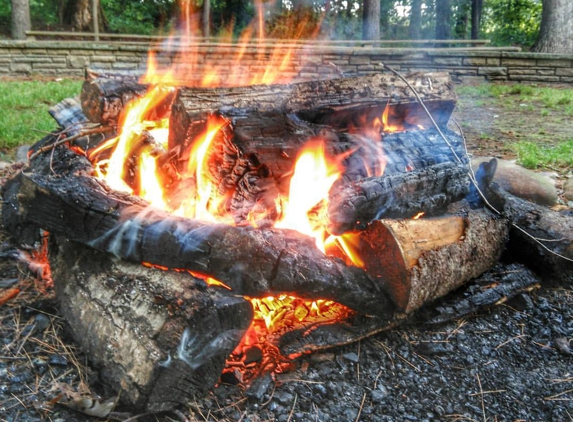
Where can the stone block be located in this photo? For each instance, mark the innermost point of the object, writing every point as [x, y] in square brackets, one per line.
[20, 67]
[493, 61]
[518, 62]
[553, 63]
[124, 66]
[492, 71]
[564, 72]
[546, 72]
[102, 58]
[534, 78]
[516, 72]
[78, 62]
[100, 66]
[359, 60]
[475, 61]
[32, 59]
[447, 61]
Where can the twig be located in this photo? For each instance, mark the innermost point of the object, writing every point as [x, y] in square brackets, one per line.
[292, 409]
[470, 172]
[482, 401]
[99, 129]
[360, 408]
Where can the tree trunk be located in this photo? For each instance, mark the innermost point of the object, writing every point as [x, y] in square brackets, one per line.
[443, 19]
[556, 32]
[371, 20]
[78, 14]
[477, 8]
[415, 28]
[462, 19]
[206, 18]
[20, 19]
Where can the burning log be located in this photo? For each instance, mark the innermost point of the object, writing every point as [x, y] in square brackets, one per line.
[250, 261]
[352, 206]
[159, 337]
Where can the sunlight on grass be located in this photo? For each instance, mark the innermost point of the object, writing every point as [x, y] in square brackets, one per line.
[536, 97]
[24, 104]
[533, 155]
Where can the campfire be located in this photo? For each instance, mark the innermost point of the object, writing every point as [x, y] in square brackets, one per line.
[254, 221]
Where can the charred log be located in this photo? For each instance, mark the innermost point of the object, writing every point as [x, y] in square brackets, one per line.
[540, 237]
[352, 206]
[158, 337]
[250, 261]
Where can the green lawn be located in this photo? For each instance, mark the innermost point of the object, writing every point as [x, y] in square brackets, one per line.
[24, 118]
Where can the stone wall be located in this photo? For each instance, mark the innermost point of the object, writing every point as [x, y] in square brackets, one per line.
[309, 61]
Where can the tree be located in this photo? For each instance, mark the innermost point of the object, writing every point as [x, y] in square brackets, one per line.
[443, 19]
[415, 27]
[556, 32]
[20, 19]
[477, 8]
[371, 20]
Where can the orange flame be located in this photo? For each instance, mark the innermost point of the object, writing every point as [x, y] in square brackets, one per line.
[312, 179]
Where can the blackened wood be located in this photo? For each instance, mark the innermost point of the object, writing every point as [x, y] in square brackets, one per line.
[353, 205]
[494, 287]
[316, 96]
[103, 99]
[421, 260]
[157, 337]
[539, 231]
[497, 286]
[250, 261]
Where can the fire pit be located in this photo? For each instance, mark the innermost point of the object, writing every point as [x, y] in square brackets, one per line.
[219, 270]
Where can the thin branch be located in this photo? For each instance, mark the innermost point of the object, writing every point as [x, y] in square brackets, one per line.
[99, 129]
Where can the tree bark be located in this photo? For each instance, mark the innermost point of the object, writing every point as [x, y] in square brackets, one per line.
[443, 19]
[420, 260]
[206, 18]
[158, 337]
[371, 20]
[556, 32]
[20, 19]
[477, 8]
[415, 28]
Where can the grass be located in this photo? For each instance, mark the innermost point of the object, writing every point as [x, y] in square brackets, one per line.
[533, 155]
[24, 118]
[532, 97]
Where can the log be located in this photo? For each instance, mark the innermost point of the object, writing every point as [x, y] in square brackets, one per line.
[351, 206]
[418, 261]
[314, 99]
[159, 338]
[250, 261]
[540, 237]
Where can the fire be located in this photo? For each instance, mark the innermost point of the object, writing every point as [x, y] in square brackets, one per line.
[312, 179]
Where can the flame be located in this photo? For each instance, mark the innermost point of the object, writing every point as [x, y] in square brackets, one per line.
[271, 63]
[113, 170]
[312, 179]
[202, 204]
[386, 126]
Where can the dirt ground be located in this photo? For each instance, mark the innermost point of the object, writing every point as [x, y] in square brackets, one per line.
[511, 362]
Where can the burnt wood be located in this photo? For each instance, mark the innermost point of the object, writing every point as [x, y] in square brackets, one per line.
[536, 232]
[352, 206]
[250, 261]
[159, 338]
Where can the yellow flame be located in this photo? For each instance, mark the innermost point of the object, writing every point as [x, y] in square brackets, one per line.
[312, 179]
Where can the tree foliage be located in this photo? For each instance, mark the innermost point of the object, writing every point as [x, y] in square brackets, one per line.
[505, 22]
